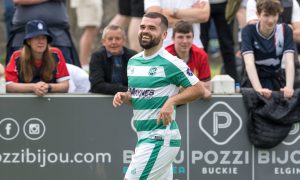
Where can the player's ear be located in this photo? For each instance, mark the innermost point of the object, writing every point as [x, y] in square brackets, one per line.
[165, 35]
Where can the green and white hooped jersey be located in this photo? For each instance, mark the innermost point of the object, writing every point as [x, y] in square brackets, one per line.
[151, 81]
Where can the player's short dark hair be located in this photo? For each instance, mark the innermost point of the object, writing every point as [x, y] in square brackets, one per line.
[271, 7]
[164, 21]
[183, 27]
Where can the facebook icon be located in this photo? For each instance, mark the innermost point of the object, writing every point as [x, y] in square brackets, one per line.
[9, 129]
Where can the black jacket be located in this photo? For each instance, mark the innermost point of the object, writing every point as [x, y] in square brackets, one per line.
[101, 72]
[270, 120]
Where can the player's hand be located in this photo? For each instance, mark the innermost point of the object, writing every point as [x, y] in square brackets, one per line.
[165, 113]
[120, 98]
[207, 94]
[287, 92]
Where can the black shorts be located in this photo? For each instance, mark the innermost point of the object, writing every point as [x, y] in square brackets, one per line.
[132, 8]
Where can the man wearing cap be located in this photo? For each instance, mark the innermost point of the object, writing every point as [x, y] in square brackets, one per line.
[37, 68]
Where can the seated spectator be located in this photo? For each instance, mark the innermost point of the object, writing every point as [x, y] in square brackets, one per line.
[54, 14]
[183, 47]
[108, 66]
[79, 80]
[36, 67]
[266, 46]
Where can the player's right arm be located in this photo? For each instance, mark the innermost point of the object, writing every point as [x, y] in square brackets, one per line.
[122, 97]
[187, 95]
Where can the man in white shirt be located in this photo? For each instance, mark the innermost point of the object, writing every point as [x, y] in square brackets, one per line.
[195, 11]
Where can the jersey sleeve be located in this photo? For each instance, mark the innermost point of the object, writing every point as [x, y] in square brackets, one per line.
[180, 74]
[246, 46]
[11, 73]
[62, 72]
[288, 39]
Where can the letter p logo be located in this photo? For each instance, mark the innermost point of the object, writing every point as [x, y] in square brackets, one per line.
[220, 123]
[217, 121]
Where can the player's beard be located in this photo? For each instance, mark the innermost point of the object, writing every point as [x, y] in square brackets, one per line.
[149, 44]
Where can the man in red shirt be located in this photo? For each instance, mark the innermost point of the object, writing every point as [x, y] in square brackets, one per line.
[183, 47]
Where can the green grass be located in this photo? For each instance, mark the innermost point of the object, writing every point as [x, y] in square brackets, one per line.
[215, 65]
[2, 59]
[215, 69]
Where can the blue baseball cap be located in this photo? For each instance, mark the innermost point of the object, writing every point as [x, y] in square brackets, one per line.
[36, 28]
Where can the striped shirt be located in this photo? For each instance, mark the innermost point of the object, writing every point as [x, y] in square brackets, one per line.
[151, 81]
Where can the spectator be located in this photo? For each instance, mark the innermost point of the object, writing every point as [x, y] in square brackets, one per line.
[108, 73]
[264, 46]
[217, 14]
[290, 15]
[79, 80]
[89, 17]
[54, 14]
[196, 58]
[195, 11]
[130, 13]
[36, 67]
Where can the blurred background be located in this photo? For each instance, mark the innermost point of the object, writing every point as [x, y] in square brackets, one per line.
[110, 9]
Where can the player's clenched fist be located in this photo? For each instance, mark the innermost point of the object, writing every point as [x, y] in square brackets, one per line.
[120, 98]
